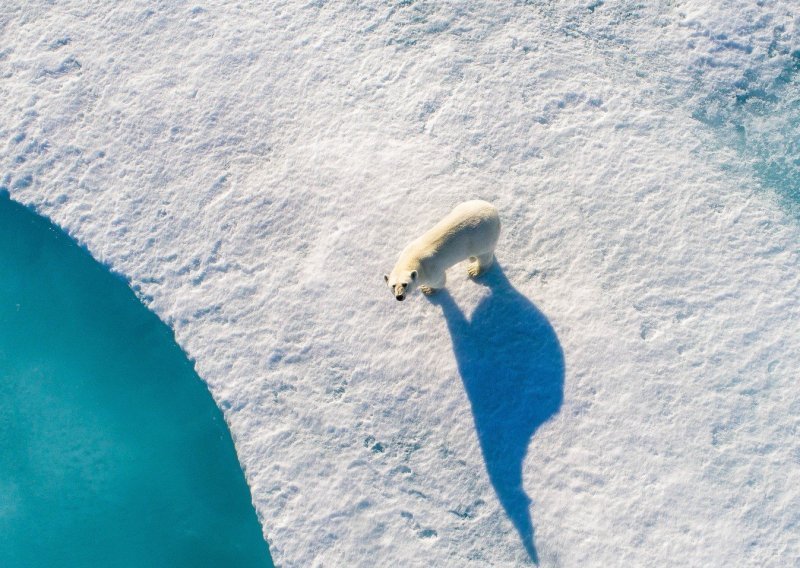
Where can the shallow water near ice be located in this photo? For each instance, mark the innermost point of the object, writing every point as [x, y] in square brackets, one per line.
[112, 451]
[759, 117]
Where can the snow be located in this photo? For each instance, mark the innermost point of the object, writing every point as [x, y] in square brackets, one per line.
[255, 170]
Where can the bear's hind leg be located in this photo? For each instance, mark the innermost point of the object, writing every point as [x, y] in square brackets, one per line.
[480, 264]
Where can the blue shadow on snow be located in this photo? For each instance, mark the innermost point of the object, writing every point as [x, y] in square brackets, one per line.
[512, 367]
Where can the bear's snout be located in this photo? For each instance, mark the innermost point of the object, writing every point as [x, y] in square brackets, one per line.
[401, 297]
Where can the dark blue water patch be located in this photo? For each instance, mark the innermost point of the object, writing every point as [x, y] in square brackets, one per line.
[759, 116]
[512, 368]
[112, 451]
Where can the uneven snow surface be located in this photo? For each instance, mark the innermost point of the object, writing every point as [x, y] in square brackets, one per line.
[255, 168]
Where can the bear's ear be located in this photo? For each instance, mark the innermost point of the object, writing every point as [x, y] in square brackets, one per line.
[413, 275]
[386, 278]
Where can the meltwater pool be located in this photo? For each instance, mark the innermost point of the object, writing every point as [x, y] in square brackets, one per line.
[112, 451]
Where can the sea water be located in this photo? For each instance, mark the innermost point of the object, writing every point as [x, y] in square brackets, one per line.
[112, 451]
[759, 116]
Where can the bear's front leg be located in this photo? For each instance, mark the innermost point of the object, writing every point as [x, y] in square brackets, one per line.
[433, 286]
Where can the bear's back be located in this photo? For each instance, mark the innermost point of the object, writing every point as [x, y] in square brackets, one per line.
[470, 229]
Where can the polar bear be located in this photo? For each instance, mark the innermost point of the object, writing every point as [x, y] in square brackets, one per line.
[470, 231]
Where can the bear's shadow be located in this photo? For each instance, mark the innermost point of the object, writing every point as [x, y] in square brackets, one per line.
[512, 367]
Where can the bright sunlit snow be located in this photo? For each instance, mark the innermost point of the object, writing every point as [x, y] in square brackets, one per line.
[255, 168]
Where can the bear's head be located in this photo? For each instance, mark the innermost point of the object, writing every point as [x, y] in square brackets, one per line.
[401, 282]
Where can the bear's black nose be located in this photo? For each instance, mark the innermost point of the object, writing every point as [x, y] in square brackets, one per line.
[401, 297]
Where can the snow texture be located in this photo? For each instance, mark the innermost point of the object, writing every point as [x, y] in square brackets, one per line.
[255, 168]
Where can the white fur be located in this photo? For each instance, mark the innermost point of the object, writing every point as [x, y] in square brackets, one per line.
[470, 231]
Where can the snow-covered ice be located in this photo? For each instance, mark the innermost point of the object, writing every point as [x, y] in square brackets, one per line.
[254, 170]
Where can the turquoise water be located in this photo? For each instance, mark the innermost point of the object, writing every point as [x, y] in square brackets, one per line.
[759, 116]
[112, 452]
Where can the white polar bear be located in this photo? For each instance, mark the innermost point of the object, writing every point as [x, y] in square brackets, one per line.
[469, 231]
